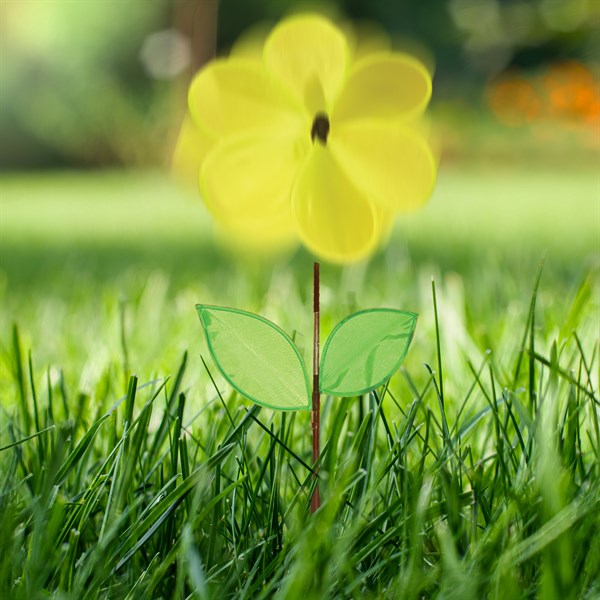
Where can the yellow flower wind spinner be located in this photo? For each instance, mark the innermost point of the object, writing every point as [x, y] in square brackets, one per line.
[303, 141]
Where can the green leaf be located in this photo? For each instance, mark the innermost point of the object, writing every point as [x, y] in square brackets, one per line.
[364, 350]
[256, 357]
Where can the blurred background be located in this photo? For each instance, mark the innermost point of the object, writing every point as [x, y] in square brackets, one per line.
[102, 83]
[92, 96]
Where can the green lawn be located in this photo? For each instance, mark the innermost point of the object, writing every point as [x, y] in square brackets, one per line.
[474, 475]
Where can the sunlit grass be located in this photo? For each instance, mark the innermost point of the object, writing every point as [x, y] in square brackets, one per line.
[483, 483]
[503, 204]
[476, 480]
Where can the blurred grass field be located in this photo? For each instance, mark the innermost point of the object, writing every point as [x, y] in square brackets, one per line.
[478, 481]
[130, 469]
[79, 248]
[429, 491]
[523, 207]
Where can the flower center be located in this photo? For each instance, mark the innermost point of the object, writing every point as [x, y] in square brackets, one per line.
[320, 127]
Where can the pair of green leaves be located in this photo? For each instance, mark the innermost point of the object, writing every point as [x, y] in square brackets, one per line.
[262, 363]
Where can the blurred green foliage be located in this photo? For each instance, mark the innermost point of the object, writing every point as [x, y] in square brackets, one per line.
[75, 90]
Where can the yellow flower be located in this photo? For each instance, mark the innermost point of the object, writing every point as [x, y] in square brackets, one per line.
[306, 141]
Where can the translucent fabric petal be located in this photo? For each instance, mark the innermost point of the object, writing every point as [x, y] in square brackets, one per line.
[192, 147]
[384, 86]
[366, 38]
[248, 180]
[237, 95]
[310, 56]
[334, 219]
[251, 42]
[393, 165]
[250, 250]
[273, 232]
[386, 219]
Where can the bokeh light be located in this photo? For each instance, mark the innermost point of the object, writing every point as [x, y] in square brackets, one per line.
[564, 96]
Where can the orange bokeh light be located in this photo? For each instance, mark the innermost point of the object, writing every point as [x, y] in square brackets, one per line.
[566, 96]
[515, 101]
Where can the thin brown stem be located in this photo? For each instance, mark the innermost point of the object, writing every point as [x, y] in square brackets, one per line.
[315, 416]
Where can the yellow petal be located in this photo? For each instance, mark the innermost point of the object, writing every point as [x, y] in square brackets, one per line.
[234, 96]
[391, 164]
[386, 225]
[191, 149]
[251, 42]
[384, 86]
[310, 55]
[275, 234]
[247, 180]
[335, 220]
[365, 38]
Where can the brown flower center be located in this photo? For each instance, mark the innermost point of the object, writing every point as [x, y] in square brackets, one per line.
[320, 128]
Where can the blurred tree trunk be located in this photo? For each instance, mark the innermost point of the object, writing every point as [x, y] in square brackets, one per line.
[197, 20]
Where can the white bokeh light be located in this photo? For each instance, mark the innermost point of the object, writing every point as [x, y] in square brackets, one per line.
[165, 54]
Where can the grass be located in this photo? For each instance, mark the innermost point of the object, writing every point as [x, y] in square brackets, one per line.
[474, 474]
